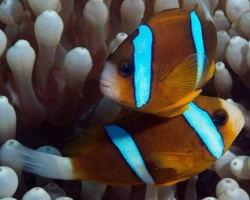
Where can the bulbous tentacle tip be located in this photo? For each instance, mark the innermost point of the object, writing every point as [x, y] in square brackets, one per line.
[220, 20]
[165, 4]
[244, 23]
[48, 28]
[234, 193]
[50, 150]
[3, 42]
[36, 193]
[132, 12]
[63, 198]
[76, 66]
[54, 190]
[223, 81]
[239, 167]
[224, 184]
[21, 59]
[7, 119]
[95, 13]
[8, 154]
[236, 53]
[120, 37]
[11, 11]
[8, 182]
[235, 8]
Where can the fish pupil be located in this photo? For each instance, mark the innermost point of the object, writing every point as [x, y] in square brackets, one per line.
[126, 69]
[220, 117]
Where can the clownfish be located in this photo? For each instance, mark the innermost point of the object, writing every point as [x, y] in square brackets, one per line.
[140, 148]
[161, 66]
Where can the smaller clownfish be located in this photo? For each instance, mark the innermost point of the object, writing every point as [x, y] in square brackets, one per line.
[161, 66]
[140, 148]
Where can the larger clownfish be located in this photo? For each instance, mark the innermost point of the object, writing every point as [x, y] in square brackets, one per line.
[140, 148]
[162, 65]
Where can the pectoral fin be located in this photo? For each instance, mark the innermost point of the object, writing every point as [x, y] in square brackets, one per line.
[181, 80]
[184, 78]
[207, 74]
[181, 162]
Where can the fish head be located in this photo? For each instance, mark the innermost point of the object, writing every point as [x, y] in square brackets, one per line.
[117, 78]
[227, 118]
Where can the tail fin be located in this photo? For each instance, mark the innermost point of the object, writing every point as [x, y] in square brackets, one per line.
[39, 163]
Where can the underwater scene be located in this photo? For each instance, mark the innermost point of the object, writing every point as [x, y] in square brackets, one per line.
[124, 99]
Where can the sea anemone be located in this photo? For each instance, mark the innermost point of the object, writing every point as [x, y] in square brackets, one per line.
[51, 56]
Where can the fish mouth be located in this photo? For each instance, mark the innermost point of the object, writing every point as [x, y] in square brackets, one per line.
[104, 83]
[107, 90]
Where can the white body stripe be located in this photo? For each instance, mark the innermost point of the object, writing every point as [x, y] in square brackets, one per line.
[127, 147]
[205, 128]
[199, 44]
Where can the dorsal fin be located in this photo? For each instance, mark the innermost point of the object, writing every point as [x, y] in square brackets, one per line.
[173, 12]
[79, 144]
[168, 14]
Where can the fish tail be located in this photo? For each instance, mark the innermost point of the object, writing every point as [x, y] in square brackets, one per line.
[15, 155]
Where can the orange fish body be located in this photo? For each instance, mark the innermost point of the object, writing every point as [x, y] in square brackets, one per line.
[170, 147]
[140, 148]
[176, 41]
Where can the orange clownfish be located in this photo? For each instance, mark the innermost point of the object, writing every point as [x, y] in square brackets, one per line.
[140, 148]
[162, 65]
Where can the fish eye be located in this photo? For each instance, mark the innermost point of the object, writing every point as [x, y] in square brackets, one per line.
[220, 117]
[126, 69]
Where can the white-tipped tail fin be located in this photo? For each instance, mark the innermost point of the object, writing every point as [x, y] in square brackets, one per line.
[39, 163]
